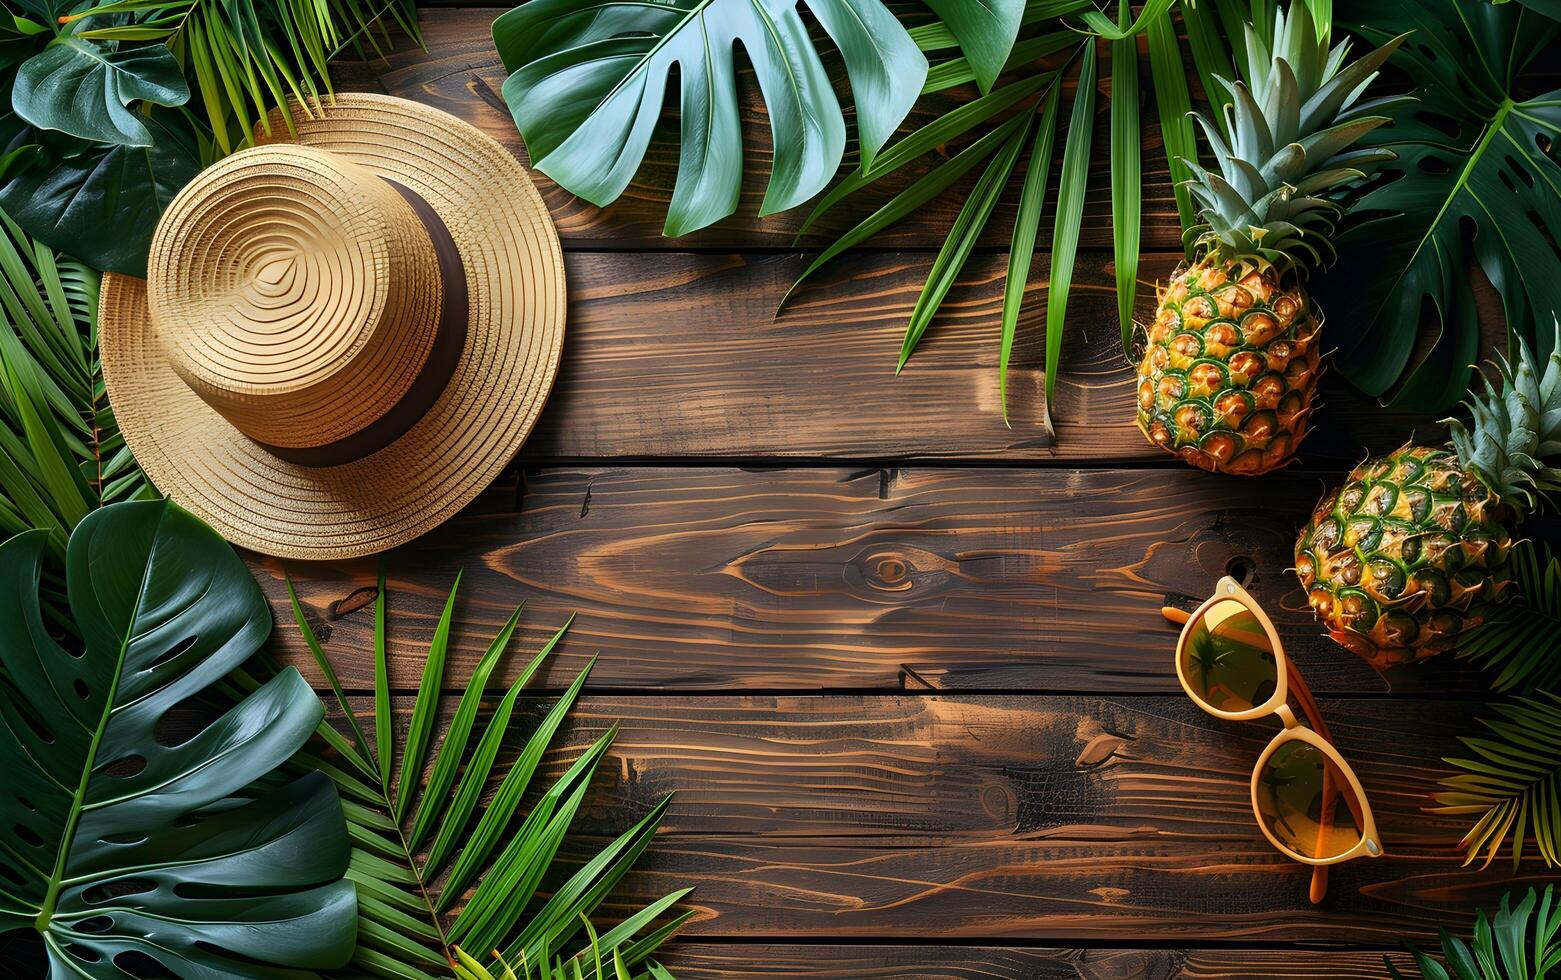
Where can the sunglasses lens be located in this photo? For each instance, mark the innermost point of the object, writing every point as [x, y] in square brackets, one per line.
[1228, 661]
[1306, 802]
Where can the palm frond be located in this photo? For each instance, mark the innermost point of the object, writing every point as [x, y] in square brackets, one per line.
[1520, 644]
[1127, 164]
[1510, 782]
[1021, 250]
[468, 967]
[1070, 215]
[1047, 28]
[61, 454]
[1519, 942]
[433, 872]
[247, 56]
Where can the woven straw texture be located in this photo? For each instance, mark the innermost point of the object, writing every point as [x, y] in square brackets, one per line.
[274, 303]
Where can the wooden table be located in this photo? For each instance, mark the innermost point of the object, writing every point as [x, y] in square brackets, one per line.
[902, 665]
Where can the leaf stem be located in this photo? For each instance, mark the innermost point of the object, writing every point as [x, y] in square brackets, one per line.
[57, 879]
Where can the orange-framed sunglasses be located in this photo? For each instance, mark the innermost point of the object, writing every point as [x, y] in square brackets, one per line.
[1230, 662]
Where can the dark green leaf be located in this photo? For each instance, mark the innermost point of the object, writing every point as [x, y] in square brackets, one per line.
[164, 609]
[1471, 154]
[70, 196]
[87, 88]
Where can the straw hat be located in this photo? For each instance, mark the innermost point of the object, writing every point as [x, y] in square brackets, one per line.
[341, 340]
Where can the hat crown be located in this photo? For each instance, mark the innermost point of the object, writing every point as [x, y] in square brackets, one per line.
[297, 293]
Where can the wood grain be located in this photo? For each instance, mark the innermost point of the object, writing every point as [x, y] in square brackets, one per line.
[1046, 819]
[811, 578]
[681, 354]
[819, 961]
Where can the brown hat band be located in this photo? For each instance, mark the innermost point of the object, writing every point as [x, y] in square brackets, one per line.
[449, 341]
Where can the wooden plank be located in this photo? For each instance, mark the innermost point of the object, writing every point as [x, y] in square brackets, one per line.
[979, 818]
[682, 355]
[460, 72]
[820, 961]
[811, 578]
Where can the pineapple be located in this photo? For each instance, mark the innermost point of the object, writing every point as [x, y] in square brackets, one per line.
[1230, 368]
[1413, 548]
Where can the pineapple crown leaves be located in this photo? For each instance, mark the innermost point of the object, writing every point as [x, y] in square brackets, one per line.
[1515, 431]
[1289, 148]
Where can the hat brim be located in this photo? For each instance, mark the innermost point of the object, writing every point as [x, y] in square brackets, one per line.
[515, 283]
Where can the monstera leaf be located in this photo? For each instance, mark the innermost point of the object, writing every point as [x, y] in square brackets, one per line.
[589, 77]
[76, 192]
[124, 843]
[85, 88]
[1476, 181]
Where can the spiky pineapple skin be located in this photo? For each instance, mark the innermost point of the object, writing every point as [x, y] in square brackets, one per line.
[1230, 368]
[1403, 557]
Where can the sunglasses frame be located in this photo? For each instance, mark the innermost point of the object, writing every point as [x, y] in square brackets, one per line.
[1228, 589]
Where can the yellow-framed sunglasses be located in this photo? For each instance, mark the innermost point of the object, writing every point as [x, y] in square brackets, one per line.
[1230, 662]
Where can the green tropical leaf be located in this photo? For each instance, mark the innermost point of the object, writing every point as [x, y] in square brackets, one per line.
[967, 229]
[593, 959]
[907, 201]
[1065, 232]
[588, 79]
[77, 190]
[1520, 942]
[1520, 644]
[1173, 103]
[422, 848]
[1021, 250]
[1124, 28]
[212, 873]
[61, 454]
[986, 31]
[1211, 56]
[93, 146]
[86, 88]
[935, 134]
[248, 57]
[1127, 166]
[1510, 781]
[1471, 152]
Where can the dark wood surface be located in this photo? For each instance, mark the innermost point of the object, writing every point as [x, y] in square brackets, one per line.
[901, 663]
[695, 961]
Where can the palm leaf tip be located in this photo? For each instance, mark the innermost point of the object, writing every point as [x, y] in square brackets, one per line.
[1519, 643]
[419, 854]
[1510, 780]
[1521, 940]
